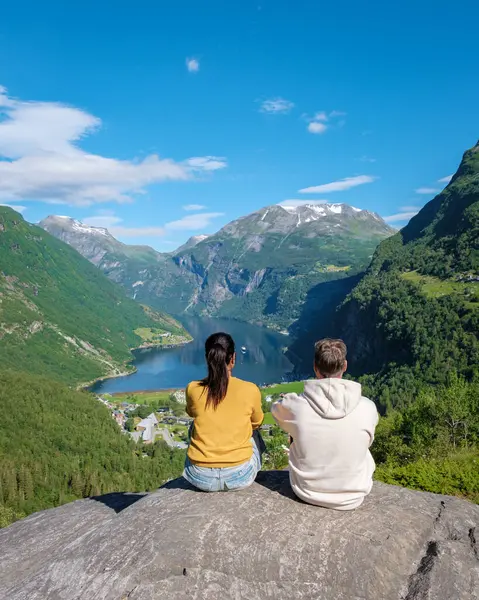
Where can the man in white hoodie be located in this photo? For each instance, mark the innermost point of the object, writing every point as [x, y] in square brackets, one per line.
[332, 427]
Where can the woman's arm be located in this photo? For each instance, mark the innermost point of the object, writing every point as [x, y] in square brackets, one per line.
[257, 415]
[189, 407]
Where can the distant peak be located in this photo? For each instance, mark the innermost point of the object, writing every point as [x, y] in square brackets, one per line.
[73, 225]
[323, 208]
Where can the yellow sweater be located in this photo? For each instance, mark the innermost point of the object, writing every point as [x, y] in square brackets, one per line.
[221, 437]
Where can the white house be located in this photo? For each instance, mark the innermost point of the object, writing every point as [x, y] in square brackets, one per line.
[147, 428]
[180, 396]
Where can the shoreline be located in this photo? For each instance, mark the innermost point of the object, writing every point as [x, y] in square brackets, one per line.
[86, 387]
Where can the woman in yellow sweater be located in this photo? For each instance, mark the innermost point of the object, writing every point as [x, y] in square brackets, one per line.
[225, 446]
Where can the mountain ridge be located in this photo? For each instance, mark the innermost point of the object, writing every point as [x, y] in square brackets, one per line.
[414, 316]
[56, 309]
[246, 268]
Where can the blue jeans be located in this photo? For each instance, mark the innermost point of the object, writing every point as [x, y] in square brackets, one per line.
[226, 479]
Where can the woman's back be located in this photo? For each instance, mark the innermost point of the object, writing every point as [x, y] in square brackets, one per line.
[221, 436]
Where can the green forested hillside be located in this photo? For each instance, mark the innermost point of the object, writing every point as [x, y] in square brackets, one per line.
[433, 444]
[57, 445]
[413, 319]
[61, 316]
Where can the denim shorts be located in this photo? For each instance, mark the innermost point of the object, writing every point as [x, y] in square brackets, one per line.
[226, 479]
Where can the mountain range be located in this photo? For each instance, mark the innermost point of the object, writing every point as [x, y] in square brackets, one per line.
[258, 268]
[61, 316]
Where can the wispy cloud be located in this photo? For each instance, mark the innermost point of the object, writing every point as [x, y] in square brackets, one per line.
[42, 160]
[339, 186]
[337, 113]
[206, 163]
[321, 121]
[194, 222]
[427, 190]
[320, 116]
[446, 179]
[193, 65]
[410, 208]
[400, 217]
[296, 202]
[367, 159]
[276, 106]
[16, 207]
[112, 223]
[190, 207]
[317, 127]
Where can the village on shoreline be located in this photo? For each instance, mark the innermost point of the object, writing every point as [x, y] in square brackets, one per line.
[149, 416]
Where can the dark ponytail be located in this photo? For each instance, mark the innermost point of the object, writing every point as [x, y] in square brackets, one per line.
[219, 351]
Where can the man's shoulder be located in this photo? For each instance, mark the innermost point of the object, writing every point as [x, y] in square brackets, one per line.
[368, 405]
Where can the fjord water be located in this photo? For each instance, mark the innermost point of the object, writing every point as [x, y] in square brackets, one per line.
[263, 362]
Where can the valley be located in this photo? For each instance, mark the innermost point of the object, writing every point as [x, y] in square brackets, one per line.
[405, 303]
[263, 362]
[259, 268]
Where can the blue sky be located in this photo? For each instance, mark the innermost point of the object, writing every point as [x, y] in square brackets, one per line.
[163, 120]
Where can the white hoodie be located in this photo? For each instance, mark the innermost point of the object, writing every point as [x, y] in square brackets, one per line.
[332, 427]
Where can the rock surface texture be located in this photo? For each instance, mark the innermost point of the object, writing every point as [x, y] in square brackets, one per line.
[256, 544]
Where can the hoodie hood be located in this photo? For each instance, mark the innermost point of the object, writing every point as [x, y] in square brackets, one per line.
[332, 398]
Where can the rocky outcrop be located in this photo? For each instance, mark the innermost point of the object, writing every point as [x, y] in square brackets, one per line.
[255, 544]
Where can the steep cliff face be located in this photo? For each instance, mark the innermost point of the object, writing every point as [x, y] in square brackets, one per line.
[177, 544]
[414, 316]
[257, 268]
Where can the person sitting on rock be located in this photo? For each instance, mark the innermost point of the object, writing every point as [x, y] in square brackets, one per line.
[332, 427]
[225, 448]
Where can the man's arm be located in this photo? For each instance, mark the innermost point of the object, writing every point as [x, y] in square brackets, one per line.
[257, 416]
[282, 413]
[373, 423]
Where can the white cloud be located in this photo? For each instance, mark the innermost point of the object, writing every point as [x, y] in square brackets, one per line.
[105, 221]
[317, 127]
[194, 222]
[111, 222]
[276, 106]
[446, 179]
[409, 208]
[193, 65]
[402, 216]
[16, 207]
[296, 202]
[190, 207]
[317, 124]
[427, 190]
[206, 163]
[320, 116]
[4, 99]
[338, 186]
[39, 141]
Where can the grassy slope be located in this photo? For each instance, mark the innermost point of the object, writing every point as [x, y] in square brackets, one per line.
[59, 315]
[434, 287]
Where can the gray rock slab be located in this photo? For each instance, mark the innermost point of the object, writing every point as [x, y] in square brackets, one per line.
[260, 543]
